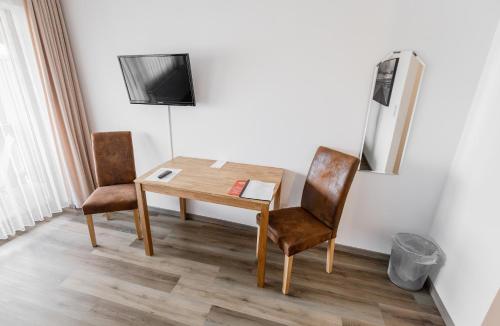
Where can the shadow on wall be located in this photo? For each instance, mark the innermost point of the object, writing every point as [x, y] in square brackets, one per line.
[144, 141]
[453, 186]
[370, 225]
[203, 82]
[440, 262]
[292, 181]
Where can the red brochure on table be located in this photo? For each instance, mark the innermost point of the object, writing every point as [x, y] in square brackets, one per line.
[238, 187]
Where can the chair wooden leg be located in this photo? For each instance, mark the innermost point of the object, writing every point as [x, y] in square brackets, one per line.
[137, 221]
[90, 224]
[109, 217]
[287, 274]
[257, 245]
[329, 255]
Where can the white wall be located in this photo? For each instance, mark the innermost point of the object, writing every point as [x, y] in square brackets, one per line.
[276, 79]
[467, 223]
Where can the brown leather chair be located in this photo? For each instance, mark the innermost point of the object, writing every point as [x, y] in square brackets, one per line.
[296, 229]
[115, 171]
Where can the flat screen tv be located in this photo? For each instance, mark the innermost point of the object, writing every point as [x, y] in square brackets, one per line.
[386, 74]
[163, 79]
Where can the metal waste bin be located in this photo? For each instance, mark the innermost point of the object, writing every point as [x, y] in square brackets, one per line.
[412, 258]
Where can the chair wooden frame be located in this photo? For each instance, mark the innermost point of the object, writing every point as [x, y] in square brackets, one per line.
[90, 225]
[323, 197]
[123, 166]
[287, 266]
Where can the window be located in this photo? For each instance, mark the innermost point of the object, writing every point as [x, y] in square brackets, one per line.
[31, 179]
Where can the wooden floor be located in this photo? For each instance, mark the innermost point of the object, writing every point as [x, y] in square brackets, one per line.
[202, 274]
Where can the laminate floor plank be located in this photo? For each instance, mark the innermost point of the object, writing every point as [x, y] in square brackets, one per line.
[23, 312]
[121, 222]
[165, 263]
[256, 303]
[73, 306]
[202, 273]
[170, 306]
[310, 280]
[219, 316]
[338, 305]
[395, 316]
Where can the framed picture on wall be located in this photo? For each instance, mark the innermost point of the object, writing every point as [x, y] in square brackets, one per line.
[385, 81]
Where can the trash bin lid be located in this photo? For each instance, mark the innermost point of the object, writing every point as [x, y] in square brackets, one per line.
[419, 246]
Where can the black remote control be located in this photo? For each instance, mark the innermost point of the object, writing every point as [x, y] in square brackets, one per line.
[164, 174]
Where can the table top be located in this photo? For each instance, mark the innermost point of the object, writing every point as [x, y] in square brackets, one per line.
[198, 180]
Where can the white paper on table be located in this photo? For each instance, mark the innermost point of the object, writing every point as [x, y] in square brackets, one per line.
[258, 190]
[154, 175]
[218, 164]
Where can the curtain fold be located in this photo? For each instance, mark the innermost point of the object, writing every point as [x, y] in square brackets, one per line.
[32, 185]
[63, 94]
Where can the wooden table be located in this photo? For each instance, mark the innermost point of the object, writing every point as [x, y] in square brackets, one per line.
[199, 181]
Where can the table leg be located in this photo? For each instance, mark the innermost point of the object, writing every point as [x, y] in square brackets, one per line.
[261, 257]
[277, 198]
[182, 208]
[144, 216]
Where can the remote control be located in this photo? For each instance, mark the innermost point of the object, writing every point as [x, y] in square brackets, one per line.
[164, 174]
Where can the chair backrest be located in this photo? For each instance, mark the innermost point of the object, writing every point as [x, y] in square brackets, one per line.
[113, 157]
[327, 184]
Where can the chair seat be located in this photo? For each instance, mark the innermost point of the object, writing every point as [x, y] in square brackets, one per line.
[110, 199]
[295, 229]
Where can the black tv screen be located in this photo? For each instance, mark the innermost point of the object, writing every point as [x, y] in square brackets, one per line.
[385, 81]
[158, 79]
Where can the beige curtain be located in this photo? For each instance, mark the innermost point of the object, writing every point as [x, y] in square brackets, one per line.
[62, 90]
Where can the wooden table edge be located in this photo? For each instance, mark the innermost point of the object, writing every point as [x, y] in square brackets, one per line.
[143, 185]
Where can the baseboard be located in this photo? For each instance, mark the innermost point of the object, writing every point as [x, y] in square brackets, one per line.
[200, 218]
[363, 252]
[169, 212]
[195, 217]
[206, 219]
[439, 304]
